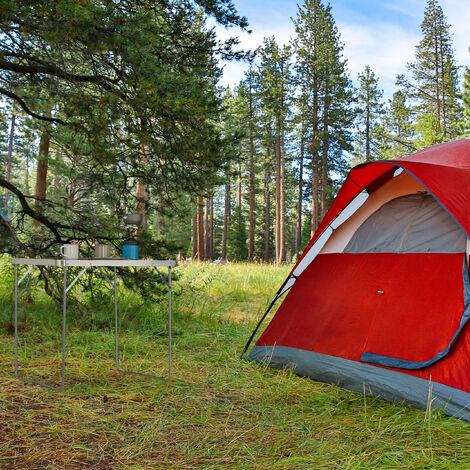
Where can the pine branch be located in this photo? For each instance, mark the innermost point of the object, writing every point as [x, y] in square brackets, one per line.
[25, 107]
[47, 281]
[420, 90]
[51, 69]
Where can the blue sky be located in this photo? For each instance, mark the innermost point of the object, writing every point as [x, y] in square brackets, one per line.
[379, 33]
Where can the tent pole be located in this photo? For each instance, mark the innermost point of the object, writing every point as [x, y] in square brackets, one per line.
[247, 345]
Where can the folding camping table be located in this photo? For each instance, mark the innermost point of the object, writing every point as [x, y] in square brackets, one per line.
[85, 264]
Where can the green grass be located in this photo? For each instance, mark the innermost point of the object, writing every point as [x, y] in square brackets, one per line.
[217, 412]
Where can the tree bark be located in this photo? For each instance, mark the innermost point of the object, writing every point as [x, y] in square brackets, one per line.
[251, 237]
[226, 219]
[41, 174]
[211, 227]
[207, 249]
[324, 170]
[200, 229]
[267, 220]
[194, 236]
[251, 232]
[282, 218]
[436, 77]
[443, 91]
[278, 195]
[314, 198]
[298, 231]
[368, 124]
[160, 217]
[238, 200]
[314, 146]
[26, 176]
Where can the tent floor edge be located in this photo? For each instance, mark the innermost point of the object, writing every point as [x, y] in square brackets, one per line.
[387, 384]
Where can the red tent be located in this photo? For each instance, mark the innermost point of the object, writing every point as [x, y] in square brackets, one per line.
[381, 295]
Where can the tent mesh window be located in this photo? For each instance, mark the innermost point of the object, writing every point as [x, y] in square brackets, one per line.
[415, 223]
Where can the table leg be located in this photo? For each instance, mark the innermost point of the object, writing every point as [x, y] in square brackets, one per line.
[116, 344]
[64, 321]
[169, 322]
[16, 321]
[116, 337]
[64, 312]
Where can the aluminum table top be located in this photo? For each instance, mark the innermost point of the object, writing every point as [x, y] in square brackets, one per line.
[83, 262]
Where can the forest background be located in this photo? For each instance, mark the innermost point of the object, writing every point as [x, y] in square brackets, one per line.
[112, 107]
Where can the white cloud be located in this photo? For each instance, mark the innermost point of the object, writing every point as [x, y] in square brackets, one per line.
[409, 8]
[387, 47]
[458, 16]
[384, 47]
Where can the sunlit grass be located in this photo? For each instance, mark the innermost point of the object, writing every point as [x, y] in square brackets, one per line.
[217, 412]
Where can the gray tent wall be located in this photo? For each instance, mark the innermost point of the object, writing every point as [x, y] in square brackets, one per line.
[415, 223]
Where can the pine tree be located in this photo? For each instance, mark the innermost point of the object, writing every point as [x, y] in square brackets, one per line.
[322, 78]
[301, 103]
[435, 79]
[310, 27]
[370, 111]
[106, 79]
[337, 98]
[267, 247]
[234, 118]
[398, 124]
[249, 95]
[274, 90]
[466, 100]
[237, 249]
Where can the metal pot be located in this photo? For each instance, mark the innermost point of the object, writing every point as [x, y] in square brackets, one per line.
[132, 219]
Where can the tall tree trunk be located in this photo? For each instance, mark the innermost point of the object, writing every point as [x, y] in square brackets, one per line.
[267, 200]
[278, 194]
[200, 229]
[207, 250]
[251, 232]
[141, 202]
[211, 228]
[193, 237]
[314, 196]
[238, 200]
[41, 173]
[314, 145]
[436, 78]
[71, 196]
[443, 91]
[226, 219]
[26, 176]
[282, 218]
[298, 228]
[251, 236]
[324, 169]
[324, 180]
[160, 217]
[368, 126]
[9, 159]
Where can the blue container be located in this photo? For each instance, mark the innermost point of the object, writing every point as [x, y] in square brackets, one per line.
[130, 249]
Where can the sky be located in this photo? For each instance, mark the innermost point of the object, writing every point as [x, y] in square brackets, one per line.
[379, 33]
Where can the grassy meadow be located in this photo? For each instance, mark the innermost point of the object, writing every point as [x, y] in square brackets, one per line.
[217, 412]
